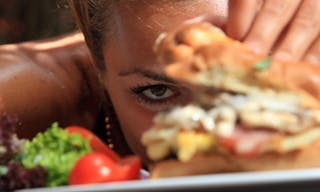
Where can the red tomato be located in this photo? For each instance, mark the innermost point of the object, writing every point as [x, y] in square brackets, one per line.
[93, 168]
[129, 168]
[96, 144]
[97, 168]
[245, 141]
[252, 153]
[229, 143]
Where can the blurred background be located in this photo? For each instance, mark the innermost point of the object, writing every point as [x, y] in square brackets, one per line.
[23, 20]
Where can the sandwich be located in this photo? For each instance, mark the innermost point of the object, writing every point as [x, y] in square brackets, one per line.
[248, 112]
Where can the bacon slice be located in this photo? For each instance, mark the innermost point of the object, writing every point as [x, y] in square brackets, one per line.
[246, 142]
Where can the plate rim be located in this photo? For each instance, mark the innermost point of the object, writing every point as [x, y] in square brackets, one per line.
[214, 181]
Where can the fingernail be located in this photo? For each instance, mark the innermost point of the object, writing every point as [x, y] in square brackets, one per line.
[283, 56]
[195, 20]
[312, 59]
[255, 47]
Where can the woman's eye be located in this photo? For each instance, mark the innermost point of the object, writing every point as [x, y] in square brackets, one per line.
[159, 97]
[158, 92]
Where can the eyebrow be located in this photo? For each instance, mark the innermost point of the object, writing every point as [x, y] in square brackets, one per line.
[148, 74]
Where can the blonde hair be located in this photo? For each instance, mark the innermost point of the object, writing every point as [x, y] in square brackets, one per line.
[93, 18]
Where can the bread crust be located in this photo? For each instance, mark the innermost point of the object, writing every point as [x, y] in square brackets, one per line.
[219, 163]
[194, 48]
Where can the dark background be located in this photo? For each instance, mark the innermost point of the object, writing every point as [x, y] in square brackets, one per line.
[23, 20]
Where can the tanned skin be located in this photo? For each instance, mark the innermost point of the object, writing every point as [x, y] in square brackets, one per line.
[46, 81]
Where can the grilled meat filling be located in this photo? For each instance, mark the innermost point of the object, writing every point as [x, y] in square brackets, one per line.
[269, 122]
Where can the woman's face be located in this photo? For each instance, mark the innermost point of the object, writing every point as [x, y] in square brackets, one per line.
[135, 80]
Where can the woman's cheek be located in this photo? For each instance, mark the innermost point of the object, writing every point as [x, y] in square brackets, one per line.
[134, 120]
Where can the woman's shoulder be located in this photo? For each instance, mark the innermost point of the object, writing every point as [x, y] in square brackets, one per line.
[49, 80]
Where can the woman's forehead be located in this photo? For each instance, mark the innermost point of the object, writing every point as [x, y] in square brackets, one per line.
[139, 22]
[162, 15]
[148, 18]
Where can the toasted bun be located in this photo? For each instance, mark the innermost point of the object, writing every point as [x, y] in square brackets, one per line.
[218, 163]
[193, 49]
[202, 55]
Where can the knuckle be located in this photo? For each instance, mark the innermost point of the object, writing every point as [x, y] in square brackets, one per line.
[308, 16]
[316, 47]
[312, 58]
[305, 24]
[276, 8]
[313, 55]
[285, 53]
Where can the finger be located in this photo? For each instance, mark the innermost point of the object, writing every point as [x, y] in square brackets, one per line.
[271, 20]
[240, 17]
[216, 20]
[216, 16]
[313, 55]
[302, 32]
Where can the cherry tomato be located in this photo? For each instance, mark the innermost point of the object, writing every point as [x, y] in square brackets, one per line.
[129, 168]
[252, 153]
[96, 143]
[97, 168]
[93, 168]
[231, 143]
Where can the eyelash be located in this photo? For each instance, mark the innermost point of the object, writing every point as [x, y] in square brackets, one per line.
[138, 92]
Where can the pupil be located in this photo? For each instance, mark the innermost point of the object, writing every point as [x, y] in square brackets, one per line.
[158, 91]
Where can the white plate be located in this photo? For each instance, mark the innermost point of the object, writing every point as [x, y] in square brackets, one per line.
[276, 181]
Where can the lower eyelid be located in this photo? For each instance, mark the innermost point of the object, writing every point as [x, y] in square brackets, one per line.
[158, 101]
[157, 105]
[181, 96]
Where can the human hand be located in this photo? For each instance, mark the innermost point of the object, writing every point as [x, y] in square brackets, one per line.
[289, 29]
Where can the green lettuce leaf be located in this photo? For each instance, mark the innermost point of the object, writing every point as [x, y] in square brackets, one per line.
[56, 151]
